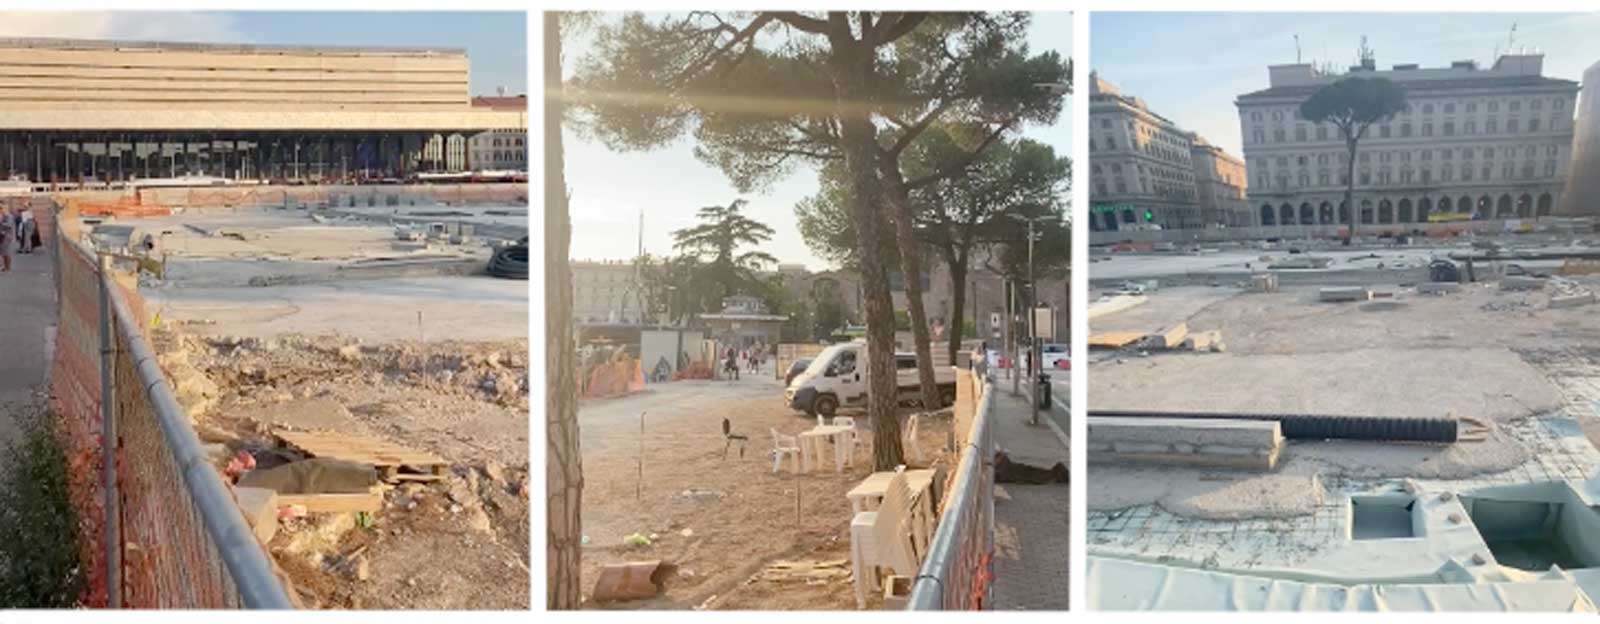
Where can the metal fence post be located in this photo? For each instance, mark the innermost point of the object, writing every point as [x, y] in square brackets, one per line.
[108, 441]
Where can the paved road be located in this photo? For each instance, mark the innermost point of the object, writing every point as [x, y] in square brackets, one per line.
[672, 402]
[27, 334]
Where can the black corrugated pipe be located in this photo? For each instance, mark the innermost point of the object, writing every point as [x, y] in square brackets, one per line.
[1325, 427]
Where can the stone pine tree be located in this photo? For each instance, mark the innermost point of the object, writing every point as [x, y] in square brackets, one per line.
[1353, 105]
[970, 73]
[764, 92]
[563, 462]
[970, 212]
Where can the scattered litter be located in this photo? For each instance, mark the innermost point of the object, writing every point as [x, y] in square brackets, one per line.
[634, 580]
[637, 539]
[686, 532]
[809, 572]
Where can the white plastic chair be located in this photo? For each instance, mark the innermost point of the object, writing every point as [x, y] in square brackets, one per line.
[882, 538]
[786, 446]
[850, 440]
[911, 437]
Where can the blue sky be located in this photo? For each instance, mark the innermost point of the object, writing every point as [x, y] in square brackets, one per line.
[669, 184]
[1189, 67]
[496, 42]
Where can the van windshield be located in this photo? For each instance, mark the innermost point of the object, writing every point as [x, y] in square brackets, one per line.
[821, 362]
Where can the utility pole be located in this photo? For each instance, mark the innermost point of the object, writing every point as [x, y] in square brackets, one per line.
[1033, 335]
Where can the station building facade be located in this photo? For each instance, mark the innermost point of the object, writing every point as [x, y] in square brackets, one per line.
[76, 111]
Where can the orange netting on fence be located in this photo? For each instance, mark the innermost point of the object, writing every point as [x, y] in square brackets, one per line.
[126, 207]
[614, 378]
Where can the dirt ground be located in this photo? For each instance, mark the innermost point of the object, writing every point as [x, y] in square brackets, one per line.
[720, 520]
[1483, 353]
[458, 543]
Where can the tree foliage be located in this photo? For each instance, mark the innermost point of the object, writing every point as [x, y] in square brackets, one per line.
[1353, 105]
[715, 246]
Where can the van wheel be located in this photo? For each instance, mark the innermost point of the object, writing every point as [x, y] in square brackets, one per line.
[826, 405]
[947, 397]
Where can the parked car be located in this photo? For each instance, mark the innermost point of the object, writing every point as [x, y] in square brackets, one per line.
[795, 368]
[1056, 356]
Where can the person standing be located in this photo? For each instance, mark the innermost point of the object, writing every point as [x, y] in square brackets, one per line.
[8, 234]
[25, 229]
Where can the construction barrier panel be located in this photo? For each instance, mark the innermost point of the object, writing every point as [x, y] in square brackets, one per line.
[614, 379]
[179, 538]
[959, 568]
[788, 352]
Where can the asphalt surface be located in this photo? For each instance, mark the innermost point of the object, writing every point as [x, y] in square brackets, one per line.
[27, 334]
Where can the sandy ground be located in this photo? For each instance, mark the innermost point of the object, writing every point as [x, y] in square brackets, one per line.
[720, 520]
[1478, 353]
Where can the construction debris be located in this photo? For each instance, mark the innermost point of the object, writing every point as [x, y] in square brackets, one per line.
[634, 580]
[1113, 340]
[1209, 341]
[1519, 282]
[1438, 288]
[1264, 283]
[809, 572]
[1299, 262]
[1248, 444]
[1569, 293]
[1170, 338]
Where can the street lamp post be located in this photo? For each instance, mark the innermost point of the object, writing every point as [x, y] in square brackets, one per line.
[1033, 322]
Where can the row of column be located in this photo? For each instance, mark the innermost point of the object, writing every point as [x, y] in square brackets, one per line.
[76, 157]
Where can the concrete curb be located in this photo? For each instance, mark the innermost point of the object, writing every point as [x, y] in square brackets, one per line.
[1060, 435]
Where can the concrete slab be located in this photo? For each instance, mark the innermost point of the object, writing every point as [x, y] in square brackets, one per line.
[1568, 301]
[1344, 293]
[1519, 282]
[260, 509]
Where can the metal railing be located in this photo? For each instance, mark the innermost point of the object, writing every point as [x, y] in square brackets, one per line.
[172, 535]
[958, 569]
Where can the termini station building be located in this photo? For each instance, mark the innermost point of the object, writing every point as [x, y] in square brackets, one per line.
[76, 111]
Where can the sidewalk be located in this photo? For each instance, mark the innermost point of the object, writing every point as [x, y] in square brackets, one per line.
[27, 333]
[1031, 532]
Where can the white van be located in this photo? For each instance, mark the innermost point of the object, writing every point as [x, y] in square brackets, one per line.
[837, 378]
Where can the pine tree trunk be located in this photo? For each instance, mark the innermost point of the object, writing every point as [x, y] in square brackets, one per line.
[563, 462]
[1350, 192]
[851, 67]
[958, 303]
[911, 267]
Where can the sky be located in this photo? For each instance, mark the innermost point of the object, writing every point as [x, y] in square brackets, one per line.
[670, 185]
[496, 42]
[1224, 55]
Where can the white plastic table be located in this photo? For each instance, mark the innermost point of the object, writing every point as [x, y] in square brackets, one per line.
[816, 435]
[868, 494]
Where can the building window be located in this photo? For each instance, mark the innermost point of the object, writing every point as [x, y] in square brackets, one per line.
[1366, 177]
[1322, 159]
[1558, 103]
[1322, 133]
[1507, 170]
[1427, 175]
[1511, 125]
[1427, 129]
[1472, 107]
[1364, 158]
[1278, 136]
[1322, 178]
[1302, 160]
[1305, 179]
[1260, 136]
[1487, 170]
[1515, 106]
[1383, 131]
[1449, 108]
[1300, 134]
[1427, 154]
[1533, 124]
[1494, 106]
[1122, 186]
[1550, 167]
[1466, 173]
[1551, 151]
[1530, 152]
[1446, 174]
[1471, 127]
[1427, 109]
[1100, 188]
[1105, 123]
[1277, 115]
[1405, 129]
[1449, 128]
[1491, 127]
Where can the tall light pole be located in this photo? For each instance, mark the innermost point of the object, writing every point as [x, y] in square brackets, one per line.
[1033, 318]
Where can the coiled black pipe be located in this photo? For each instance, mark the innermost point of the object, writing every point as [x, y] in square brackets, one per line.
[1325, 427]
[510, 262]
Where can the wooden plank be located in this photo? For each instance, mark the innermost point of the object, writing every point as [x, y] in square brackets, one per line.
[370, 502]
[1113, 340]
[358, 449]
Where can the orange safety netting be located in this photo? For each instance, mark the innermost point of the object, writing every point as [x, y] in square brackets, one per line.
[695, 370]
[614, 378]
[122, 207]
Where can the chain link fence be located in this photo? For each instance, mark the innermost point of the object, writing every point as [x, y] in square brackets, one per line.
[957, 572]
[174, 536]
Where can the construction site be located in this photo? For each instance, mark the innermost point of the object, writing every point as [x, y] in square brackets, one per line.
[358, 377]
[1400, 424]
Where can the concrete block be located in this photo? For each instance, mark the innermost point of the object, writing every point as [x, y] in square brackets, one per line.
[1520, 282]
[1204, 341]
[1344, 293]
[1568, 301]
[1438, 288]
[260, 509]
[1264, 283]
[1251, 444]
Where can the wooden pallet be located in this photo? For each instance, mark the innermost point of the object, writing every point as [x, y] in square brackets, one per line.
[393, 462]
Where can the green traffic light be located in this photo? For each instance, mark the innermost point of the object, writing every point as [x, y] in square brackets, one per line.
[1149, 216]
